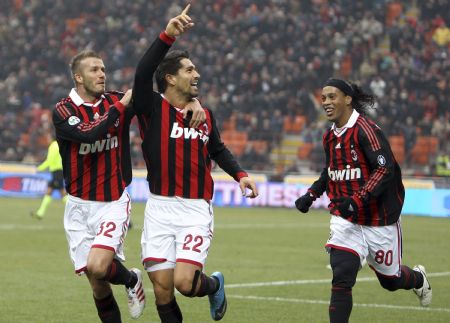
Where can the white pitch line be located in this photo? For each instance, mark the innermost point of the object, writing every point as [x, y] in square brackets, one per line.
[262, 226]
[310, 301]
[280, 283]
[34, 227]
[315, 281]
[270, 226]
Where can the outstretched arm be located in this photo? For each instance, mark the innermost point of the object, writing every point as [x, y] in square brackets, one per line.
[143, 81]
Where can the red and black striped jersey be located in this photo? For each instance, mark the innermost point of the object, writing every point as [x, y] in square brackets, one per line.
[360, 164]
[94, 145]
[178, 157]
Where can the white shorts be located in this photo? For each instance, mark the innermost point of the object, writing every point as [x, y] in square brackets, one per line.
[91, 224]
[176, 230]
[380, 246]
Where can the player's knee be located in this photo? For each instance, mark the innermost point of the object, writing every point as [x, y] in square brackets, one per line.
[97, 270]
[389, 283]
[344, 276]
[184, 287]
[345, 267]
[187, 284]
[163, 295]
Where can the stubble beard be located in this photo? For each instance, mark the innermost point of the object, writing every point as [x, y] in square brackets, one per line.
[94, 93]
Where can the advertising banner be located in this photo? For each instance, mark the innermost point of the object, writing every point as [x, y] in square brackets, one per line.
[418, 201]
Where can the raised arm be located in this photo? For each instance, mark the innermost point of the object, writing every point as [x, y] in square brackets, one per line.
[143, 81]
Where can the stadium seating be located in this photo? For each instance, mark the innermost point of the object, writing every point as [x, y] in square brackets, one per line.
[304, 150]
[294, 125]
[236, 141]
[424, 149]
[255, 78]
[398, 147]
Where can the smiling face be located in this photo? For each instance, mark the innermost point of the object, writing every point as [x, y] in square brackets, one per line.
[337, 105]
[185, 81]
[90, 78]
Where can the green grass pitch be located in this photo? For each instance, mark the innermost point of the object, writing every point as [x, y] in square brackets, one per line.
[273, 261]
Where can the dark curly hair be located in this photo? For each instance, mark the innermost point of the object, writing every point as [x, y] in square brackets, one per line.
[169, 65]
[362, 101]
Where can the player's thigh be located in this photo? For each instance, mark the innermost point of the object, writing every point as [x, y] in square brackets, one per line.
[162, 278]
[195, 232]
[163, 285]
[384, 245]
[192, 245]
[110, 222]
[346, 236]
[176, 229]
[158, 238]
[99, 260]
[77, 232]
[75, 216]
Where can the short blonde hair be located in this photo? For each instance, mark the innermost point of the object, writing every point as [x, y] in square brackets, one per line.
[76, 60]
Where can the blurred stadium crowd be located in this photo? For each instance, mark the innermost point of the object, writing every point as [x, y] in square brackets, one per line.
[262, 65]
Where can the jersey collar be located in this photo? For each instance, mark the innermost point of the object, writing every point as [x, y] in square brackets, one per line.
[176, 108]
[350, 123]
[76, 98]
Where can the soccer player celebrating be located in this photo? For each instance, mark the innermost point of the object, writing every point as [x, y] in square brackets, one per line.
[178, 225]
[92, 130]
[364, 183]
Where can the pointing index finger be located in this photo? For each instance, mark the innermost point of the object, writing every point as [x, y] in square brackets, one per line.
[185, 10]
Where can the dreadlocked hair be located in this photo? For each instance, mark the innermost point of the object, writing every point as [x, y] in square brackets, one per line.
[362, 101]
